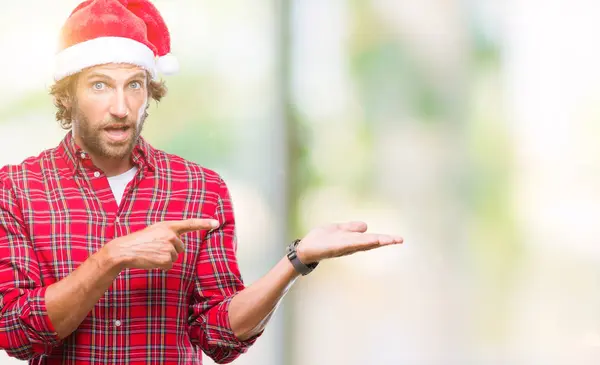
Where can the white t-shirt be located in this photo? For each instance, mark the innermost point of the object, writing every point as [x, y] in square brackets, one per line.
[119, 182]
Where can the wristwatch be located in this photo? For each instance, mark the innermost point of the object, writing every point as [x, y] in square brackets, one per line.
[301, 267]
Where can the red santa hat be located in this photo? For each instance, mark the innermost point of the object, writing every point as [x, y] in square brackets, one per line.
[115, 31]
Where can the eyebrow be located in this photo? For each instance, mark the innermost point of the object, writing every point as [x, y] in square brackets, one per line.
[139, 75]
[97, 75]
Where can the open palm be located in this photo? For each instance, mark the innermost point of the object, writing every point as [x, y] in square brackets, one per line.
[341, 239]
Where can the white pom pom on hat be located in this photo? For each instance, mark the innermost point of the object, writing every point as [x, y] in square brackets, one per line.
[167, 64]
[115, 31]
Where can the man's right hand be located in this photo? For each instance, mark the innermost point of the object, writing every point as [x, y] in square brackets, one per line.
[155, 247]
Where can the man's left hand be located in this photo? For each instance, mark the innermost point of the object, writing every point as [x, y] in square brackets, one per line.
[341, 239]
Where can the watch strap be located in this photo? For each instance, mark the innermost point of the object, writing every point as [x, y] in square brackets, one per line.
[300, 267]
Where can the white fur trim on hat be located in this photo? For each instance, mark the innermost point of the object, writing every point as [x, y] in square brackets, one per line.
[101, 51]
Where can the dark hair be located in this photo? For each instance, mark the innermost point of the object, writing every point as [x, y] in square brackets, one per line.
[64, 89]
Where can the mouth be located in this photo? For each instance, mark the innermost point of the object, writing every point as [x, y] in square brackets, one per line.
[118, 133]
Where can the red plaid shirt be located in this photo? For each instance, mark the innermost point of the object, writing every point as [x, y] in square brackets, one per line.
[57, 209]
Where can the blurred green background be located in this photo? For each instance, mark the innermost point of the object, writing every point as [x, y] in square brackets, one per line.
[468, 127]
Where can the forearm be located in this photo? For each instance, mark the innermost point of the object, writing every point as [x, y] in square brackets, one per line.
[251, 309]
[70, 300]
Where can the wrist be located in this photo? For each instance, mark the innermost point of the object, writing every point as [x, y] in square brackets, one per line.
[297, 257]
[290, 271]
[302, 254]
[106, 259]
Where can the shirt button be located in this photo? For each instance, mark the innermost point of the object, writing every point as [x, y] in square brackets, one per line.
[118, 323]
[83, 155]
[96, 174]
[117, 220]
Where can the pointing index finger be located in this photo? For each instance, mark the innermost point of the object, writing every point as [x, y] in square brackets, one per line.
[193, 224]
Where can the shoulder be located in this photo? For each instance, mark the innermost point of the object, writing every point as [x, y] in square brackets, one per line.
[26, 171]
[22, 179]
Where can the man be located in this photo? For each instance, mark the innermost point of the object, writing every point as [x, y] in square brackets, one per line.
[114, 252]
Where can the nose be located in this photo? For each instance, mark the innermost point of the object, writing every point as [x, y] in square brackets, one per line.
[119, 108]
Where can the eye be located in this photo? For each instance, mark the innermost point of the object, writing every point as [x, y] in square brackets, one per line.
[98, 85]
[135, 85]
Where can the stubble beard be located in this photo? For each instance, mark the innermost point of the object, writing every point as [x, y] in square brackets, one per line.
[94, 140]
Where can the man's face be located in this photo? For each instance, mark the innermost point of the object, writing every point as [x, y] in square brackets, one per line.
[109, 109]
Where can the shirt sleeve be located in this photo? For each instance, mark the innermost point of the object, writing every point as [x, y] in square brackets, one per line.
[25, 328]
[218, 280]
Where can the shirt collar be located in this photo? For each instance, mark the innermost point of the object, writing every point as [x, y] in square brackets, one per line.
[143, 154]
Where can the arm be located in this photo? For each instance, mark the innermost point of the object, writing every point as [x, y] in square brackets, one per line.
[26, 330]
[218, 280]
[251, 309]
[71, 299]
[34, 319]
[227, 318]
